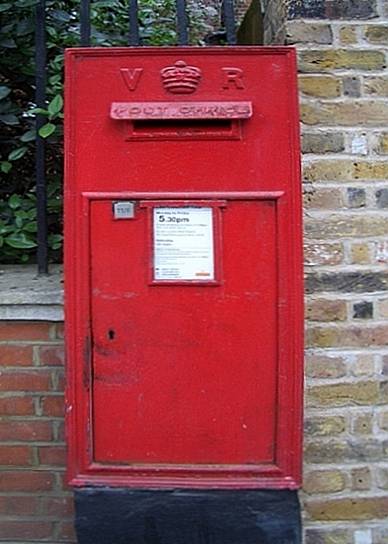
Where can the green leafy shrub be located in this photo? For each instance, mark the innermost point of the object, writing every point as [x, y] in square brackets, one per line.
[109, 20]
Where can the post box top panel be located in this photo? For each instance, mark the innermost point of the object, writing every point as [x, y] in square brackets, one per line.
[168, 119]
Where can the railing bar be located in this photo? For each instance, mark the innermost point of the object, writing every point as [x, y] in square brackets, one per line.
[134, 38]
[85, 22]
[40, 99]
[182, 22]
[230, 23]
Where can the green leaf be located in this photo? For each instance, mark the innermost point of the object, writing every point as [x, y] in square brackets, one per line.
[46, 130]
[60, 15]
[38, 111]
[4, 91]
[9, 119]
[30, 227]
[5, 166]
[20, 241]
[1, 241]
[17, 154]
[5, 7]
[28, 136]
[19, 222]
[8, 43]
[6, 229]
[55, 105]
[26, 3]
[14, 201]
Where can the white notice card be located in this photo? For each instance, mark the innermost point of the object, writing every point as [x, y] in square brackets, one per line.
[183, 244]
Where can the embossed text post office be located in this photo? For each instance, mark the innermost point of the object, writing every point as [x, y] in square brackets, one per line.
[183, 269]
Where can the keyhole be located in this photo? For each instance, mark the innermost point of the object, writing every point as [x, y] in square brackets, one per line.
[111, 334]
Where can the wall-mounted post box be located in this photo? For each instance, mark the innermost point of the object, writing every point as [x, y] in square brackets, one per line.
[183, 268]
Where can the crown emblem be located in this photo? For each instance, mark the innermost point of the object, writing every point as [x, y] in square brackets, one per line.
[180, 78]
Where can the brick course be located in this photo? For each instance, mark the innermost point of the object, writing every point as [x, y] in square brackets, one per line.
[34, 505]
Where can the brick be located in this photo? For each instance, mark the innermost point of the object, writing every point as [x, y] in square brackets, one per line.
[344, 170]
[324, 337]
[382, 478]
[323, 481]
[382, 306]
[346, 282]
[324, 198]
[66, 531]
[326, 310]
[302, 32]
[325, 366]
[356, 197]
[328, 536]
[25, 430]
[325, 426]
[370, 170]
[382, 146]
[344, 394]
[15, 455]
[33, 380]
[332, 9]
[60, 331]
[348, 34]
[323, 142]
[335, 450]
[362, 424]
[25, 331]
[52, 355]
[318, 86]
[351, 86]
[349, 113]
[58, 506]
[383, 421]
[21, 529]
[360, 253]
[340, 59]
[359, 144]
[362, 508]
[381, 251]
[17, 406]
[26, 481]
[382, 198]
[380, 535]
[323, 253]
[376, 85]
[364, 365]
[345, 226]
[363, 310]
[53, 406]
[377, 34]
[15, 355]
[328, 170]
[350, 9]
[361, 479]
[52, 455]
[18, 505]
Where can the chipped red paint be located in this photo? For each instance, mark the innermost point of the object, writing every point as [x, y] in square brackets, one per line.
[188, 381]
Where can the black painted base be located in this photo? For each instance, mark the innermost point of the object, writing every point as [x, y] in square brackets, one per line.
[125, 516]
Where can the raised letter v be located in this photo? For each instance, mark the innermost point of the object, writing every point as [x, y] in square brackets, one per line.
[131, 77]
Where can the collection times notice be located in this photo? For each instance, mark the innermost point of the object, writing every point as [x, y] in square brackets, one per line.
[183, 244]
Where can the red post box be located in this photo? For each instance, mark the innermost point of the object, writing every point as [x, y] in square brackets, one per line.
[183, 268]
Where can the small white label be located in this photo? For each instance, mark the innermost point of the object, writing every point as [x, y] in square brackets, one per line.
[124, 210]
[183, 244]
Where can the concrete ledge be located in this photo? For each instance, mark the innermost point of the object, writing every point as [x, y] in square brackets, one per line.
[26, 296]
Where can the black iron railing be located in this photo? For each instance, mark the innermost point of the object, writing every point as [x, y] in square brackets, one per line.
[182, 28]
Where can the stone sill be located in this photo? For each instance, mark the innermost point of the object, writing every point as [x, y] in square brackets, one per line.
[26, 296]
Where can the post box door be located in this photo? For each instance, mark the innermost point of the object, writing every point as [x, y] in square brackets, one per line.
[184, 369]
